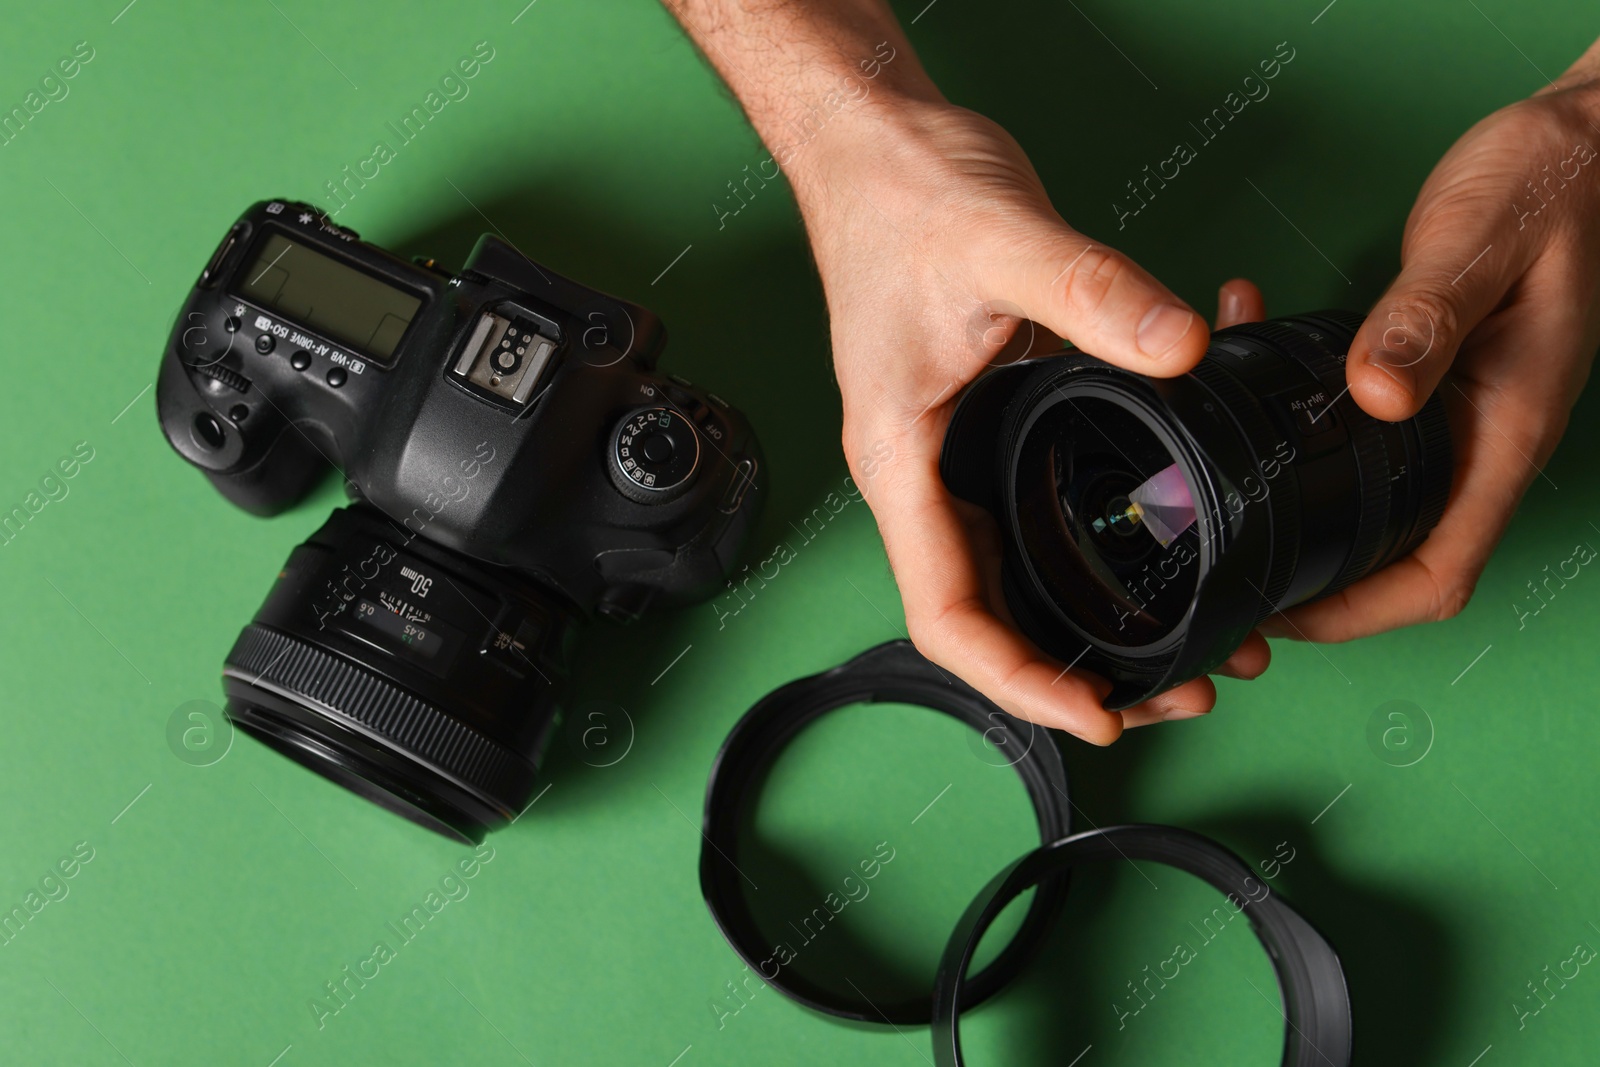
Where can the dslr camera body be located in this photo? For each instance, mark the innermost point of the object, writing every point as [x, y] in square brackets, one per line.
[516, 466]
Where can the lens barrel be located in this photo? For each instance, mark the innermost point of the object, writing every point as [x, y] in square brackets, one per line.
[1296, 493]
[411, 675]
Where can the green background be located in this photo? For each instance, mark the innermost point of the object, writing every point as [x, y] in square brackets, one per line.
[218, 904]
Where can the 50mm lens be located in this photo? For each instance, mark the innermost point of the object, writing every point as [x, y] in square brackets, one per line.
[419, 679]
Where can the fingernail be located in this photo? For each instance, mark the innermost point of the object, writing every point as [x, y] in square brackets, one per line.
[1162, 327]
[1178, 715]
[1397, 365]
[1231, 306]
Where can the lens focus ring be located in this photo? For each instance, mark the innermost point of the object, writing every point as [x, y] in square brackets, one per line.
[269, 659]
[1433, 442]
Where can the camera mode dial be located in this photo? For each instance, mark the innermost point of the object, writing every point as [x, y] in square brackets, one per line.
[655, 453]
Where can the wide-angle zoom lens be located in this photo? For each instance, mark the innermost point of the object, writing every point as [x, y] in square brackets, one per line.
[413, 676]
[1150, 524]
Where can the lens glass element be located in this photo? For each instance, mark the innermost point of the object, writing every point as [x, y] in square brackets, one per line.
[1164, 504]
[1107, 521]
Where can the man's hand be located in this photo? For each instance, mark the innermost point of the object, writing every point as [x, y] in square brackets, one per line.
[938, 250]
[1500, 287]
[937, 245]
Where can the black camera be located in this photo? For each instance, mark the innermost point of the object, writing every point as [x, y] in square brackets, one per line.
[515, 465]
[1150, 524]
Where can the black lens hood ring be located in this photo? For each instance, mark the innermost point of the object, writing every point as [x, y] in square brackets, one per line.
[1316, 1002]
[892, 672]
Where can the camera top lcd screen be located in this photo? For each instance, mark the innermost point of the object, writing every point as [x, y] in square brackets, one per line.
[324, 295]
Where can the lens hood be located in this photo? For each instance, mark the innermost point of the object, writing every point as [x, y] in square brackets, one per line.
[889, 673]
[1316, 1002]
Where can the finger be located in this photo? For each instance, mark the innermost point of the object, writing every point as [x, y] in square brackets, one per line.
[1456, 267]
[1184, 702]
[1188, 701]
[1239, 301]
[1249, 660]
[948, 614]
[1503, 435]
[1097, 298]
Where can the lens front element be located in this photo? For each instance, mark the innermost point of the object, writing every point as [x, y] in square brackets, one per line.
[1087, 543]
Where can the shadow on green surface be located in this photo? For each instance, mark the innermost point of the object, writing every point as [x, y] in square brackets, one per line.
[830, 952]
[1398, 956]
[1399, 962]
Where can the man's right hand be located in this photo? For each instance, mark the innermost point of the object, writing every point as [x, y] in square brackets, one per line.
[937, 245]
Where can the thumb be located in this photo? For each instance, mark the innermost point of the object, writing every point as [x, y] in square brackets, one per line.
[1452, 276]
[1100, 300]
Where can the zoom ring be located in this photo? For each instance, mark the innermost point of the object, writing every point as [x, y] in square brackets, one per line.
[1367, 443]
[293, 666]
[1438, 470]
[1371, 454]
[1377, 499]
[1284, 507]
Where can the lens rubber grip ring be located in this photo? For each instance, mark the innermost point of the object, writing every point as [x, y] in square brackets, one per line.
[1432, 443]
[893, 672]
[1367, 443]
[1318, 1029]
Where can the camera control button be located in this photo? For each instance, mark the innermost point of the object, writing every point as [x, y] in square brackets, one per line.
[514, 643]
[336, 376]
[231, 324]
[657, 448]
[265, 343]
[1313, 418]
[655, 453]
[744, 478]
[208, 432]
[300, 360]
